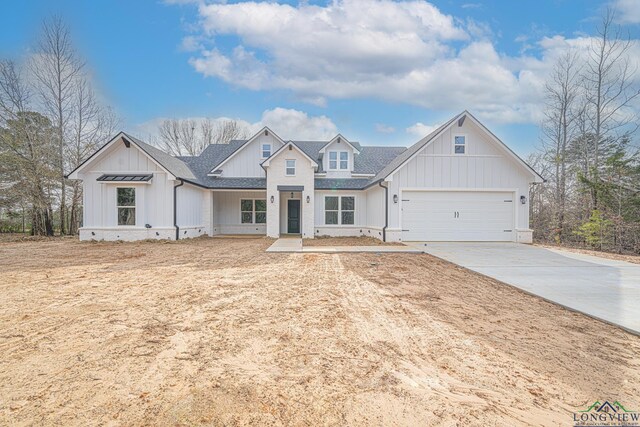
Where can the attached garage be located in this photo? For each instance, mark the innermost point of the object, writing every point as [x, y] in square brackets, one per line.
[465, 216]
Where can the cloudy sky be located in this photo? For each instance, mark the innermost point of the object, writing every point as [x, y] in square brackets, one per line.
[380, 72]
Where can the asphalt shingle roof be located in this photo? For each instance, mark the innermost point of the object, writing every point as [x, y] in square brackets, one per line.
[195, 169]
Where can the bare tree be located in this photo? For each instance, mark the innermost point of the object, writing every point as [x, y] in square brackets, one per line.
[90, 124]
[178, 137]
[562, 94]
[186, 137]
[609, 89]
[56, 68]
[228, 130]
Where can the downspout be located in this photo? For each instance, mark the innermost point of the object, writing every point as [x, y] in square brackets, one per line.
[386, 211]
[175, 208]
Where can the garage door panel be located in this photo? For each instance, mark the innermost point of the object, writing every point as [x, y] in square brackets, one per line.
[457, 216]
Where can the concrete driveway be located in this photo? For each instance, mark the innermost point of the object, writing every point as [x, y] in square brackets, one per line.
[606, 289]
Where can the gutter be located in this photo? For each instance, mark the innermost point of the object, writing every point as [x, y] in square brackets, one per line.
[386, 211]
[175, 208]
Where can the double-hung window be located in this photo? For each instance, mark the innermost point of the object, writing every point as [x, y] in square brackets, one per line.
[266, 150]
[344, 160]
[338, 160]
[339, 210]
[126, 203]
[253, 211]
[459, 144]
[290, 167]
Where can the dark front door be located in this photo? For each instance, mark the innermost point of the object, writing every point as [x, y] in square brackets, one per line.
[293, 216]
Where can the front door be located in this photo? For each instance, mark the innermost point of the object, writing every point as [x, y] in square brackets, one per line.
[293, 216]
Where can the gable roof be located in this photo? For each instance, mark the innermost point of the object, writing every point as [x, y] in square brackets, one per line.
[403, 158]
[170, 164]
[339, 137]
[373, 164]
[240, 145]
[289, 143]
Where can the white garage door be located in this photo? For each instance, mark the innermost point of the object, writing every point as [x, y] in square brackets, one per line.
[463, 216]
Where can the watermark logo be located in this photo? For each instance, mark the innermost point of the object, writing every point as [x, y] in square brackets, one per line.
[605, 414]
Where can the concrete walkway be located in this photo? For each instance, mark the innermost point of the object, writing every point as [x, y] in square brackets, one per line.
[287, 244]
[606, 289]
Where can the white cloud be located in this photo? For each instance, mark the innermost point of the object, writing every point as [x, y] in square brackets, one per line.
[627, 11]
[382, 128]
[404, 52]
[287, 123]
[421, 130]
[294, 124]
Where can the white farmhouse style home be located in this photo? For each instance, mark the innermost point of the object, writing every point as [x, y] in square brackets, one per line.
[459, 183]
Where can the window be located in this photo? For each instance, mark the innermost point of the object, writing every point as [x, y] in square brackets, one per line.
[290, 167]
[344, 160]
[266, 150]
[347, 210]
[126, 202]
[253, 211]
[339, 210]
[459, 144]
[333, 160]
[331, 210]
[261, 211]
[334, 163]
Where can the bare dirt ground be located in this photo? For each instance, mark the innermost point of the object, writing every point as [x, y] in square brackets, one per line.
[608, 255]
[347, 241]
[217, 332]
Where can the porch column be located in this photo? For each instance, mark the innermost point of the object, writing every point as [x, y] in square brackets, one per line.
[273, 212]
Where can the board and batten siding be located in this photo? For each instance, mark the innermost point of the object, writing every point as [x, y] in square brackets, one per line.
[154, 200]
[246, 161]
[484, 166]
[226, 212]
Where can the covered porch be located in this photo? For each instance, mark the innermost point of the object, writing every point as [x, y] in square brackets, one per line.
[239, 212]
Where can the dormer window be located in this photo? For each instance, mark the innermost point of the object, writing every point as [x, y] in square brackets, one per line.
[344, 160]
[459, 144]
[338, 159]
[266, 151]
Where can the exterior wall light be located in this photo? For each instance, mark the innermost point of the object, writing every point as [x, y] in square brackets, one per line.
[272, 199]
[308, 199]
[523, 200]
[395, 198]
[292, 194]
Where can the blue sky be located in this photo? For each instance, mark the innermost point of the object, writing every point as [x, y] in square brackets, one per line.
[380, 85]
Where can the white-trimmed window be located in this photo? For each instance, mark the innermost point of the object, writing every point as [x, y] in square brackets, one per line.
[253, 211]
[338, 160]
[339, 210]
[459, 144]
[290, 167]
[266, 150]
[126, 203]
[344, 160]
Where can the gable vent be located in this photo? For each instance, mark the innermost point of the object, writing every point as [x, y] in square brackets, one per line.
[266, 132]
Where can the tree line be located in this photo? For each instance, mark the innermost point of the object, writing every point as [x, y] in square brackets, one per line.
[588, 152]
[50, 121]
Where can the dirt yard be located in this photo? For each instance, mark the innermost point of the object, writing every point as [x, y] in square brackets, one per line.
[218, 332]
